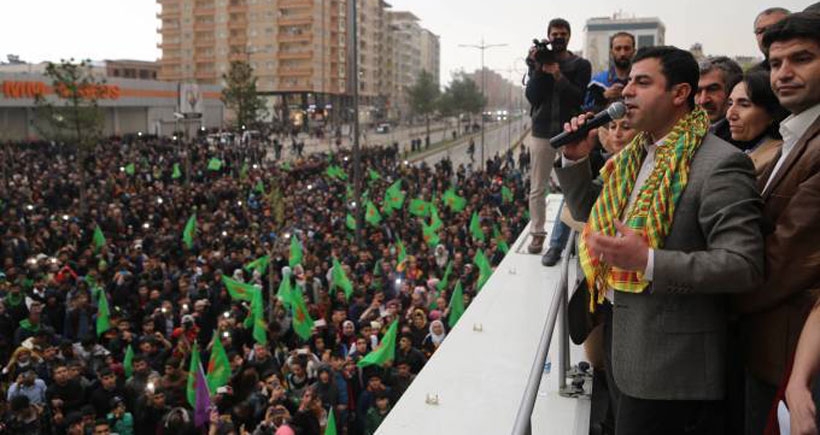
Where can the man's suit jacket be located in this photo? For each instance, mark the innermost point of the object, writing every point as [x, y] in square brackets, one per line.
[773, 316]
[669, 342]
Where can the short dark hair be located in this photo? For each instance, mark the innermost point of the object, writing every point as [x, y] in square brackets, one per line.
[732, 72]
[678, 66]
[799, 25]
[774, 10]
[759, 90]
[813, 8]
[559, 22]
[619, 35]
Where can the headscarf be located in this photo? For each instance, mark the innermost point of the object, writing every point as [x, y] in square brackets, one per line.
[436, 339]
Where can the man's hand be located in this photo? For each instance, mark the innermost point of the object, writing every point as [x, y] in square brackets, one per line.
[552, 68]
[629, 251]
[579, 150]
[614, 92]
[801, 409]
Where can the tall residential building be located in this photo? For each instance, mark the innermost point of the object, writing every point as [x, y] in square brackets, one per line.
[430, 54]
[647, 31]
[406, 55]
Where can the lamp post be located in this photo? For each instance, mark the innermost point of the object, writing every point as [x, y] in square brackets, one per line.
[482, 47]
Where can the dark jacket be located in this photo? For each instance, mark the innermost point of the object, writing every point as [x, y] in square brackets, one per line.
[554, 103]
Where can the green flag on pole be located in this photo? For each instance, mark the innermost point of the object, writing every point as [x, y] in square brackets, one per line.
[429, 235]
[350, 222]
[214, 164]
[260, 264]
[386, 350]
[435, 221]
[393, 197]
[130, 169]
[372, 215]
[452, 200]
[402, 254]
[475, 228]
[177, 172]
[103, 314]
[443, 283]
[128, 362]
[256, 319]
[239, 290]
[302, 322]
[339, 278]
[374, 176]
[456, 305]
[219, 367]
[189, 232]
[484, 268]
[506, 194]
[295, 252]
[98, 239]
[419, 207]
[499, 239]
[330, 429]
[191, 387]
[285, 292]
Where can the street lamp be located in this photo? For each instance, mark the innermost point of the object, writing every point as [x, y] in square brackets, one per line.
[482, 47]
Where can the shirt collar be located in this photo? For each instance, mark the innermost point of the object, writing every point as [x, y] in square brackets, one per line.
[793, 127]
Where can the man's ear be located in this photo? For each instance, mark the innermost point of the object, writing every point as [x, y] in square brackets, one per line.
[681, 93]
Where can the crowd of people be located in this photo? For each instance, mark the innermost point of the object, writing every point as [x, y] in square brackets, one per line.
[698, 238]
[106, 296]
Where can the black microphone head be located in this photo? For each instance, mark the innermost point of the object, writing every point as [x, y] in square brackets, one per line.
[616, 110]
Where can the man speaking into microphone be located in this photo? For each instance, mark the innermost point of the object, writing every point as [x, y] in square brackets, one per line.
[673, 228]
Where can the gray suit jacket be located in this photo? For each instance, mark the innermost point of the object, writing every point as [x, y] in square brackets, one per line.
[669, 342]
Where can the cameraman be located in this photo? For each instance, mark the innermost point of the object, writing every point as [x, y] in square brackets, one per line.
[555, 90]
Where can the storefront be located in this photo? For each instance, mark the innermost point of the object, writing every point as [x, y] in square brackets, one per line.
[128, 105]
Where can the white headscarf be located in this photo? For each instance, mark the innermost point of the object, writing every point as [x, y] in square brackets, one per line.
[437, 339]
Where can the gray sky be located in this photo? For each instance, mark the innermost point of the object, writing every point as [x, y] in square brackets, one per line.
[99, 29]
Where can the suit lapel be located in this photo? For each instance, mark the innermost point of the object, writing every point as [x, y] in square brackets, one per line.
[794, 155]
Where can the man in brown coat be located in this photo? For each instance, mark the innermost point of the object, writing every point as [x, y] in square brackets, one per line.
[773, 316]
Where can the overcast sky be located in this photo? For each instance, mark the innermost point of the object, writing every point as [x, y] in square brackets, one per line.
[110, 29]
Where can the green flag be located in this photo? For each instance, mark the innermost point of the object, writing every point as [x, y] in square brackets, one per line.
[456, 305]
[128, 361]
[103, 314]
[259, 187]
[443, 283]
[256, 320]
[191, 388]
[484, 268]
[295, 252]
[350, 221]
[260, 264]
[302, 322]
[98, 238]
[372, 215]
[429, 235]
[386, 350]
[393, 197]
[499, 239]
[285, 166]
[189, 232]
[330, 429]
[243, 173]
[339, 278]
[130, 169]
[374, 176]
[285, 292]
[219, 367]
[506, 194]
[435, 221]
[214, 164]
[334, 171]
[475, 228]
[452, 200]
[177, 172]
[419, 207]
[402, 254]
[239, 290]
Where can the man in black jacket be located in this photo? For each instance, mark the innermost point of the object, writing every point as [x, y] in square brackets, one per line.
[555, 92]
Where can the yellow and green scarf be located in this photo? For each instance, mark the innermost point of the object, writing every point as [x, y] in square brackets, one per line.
[654, 208]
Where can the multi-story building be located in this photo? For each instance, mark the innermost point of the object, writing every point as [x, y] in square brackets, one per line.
[647, 31]
[301, 52]
[502, 94]
[430, 54]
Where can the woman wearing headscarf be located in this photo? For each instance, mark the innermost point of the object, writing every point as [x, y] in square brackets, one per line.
[434, 339]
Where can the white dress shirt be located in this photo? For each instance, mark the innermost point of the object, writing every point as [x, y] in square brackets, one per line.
[792, 129]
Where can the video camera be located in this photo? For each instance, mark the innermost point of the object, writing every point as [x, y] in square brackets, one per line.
[544, 54]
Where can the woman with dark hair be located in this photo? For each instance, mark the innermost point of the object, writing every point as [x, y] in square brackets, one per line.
[754, 117]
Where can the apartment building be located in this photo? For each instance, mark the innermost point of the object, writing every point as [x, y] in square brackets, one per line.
[430, 52]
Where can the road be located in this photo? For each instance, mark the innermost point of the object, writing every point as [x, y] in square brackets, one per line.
[495, 141]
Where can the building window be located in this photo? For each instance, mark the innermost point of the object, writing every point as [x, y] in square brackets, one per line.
[646, 41]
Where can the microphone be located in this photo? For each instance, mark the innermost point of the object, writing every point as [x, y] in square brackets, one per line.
[616, 110]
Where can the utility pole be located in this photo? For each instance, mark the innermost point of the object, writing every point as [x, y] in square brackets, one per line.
[357, 163]
[482, 47]
[510, 86]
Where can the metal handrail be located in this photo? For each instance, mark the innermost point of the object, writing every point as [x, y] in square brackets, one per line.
[523, 419]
